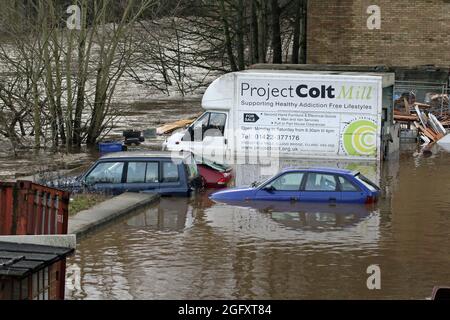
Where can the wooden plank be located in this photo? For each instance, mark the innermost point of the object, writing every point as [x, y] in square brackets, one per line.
[425, 131]
[425, 139]
[438, 124]
[421, 116]
[169, 127]
[407, 110]
[421, 105]
[405, 118]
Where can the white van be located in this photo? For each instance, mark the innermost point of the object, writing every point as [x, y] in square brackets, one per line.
[290, 113]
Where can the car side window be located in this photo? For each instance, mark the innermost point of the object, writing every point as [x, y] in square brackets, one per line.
[152, 174]
[136, 172]
[320, 182]
[106, 172]
[287, 182]
[170, 172]
[346, 185]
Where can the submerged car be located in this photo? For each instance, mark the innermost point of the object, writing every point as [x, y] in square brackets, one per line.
[214, 175]
[166, 173]
[307, 185]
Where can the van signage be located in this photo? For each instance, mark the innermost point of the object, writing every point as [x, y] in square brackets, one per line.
[317, 95]
[250, 117]
[320, 116]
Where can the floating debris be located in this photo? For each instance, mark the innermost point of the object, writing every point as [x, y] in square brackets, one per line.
[431, 127]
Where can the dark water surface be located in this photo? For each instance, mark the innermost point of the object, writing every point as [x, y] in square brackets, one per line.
[195, 249]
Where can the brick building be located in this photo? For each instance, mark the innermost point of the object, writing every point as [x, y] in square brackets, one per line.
[412, 33]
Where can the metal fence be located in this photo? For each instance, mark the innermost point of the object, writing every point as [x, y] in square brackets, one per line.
[421, 92]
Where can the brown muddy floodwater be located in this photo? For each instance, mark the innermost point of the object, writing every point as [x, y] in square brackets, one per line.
[138, 116]
[195, 249]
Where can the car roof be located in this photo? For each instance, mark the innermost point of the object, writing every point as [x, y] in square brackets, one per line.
[321, 170]
[145, 154]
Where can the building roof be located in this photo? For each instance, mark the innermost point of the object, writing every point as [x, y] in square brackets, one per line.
[19, 260]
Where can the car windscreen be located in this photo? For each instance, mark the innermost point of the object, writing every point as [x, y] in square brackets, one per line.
[261, 183]
[369, 184]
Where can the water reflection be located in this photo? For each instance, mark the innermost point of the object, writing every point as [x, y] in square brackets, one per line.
[197, 249]
[301, 223]
[315, 216]
[171, 214]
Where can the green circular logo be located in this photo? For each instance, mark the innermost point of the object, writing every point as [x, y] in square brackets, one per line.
[360, 138]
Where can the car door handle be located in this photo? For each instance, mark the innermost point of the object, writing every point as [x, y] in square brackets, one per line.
[294, 198]
[332, 199]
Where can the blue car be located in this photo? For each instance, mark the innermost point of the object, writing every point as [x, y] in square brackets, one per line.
[307, 185]
[165, 173]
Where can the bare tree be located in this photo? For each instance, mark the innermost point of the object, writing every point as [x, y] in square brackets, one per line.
[69, 76]
[299, 36]
[276, 36]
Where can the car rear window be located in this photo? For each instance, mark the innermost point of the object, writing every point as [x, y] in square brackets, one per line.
[346, 185]
[215, 166]
[170, 172]
[369, 184]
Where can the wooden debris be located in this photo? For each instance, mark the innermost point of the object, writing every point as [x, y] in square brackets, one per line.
[430, 135]
[439, 128]
[444, 97]
[398, 117]
[425, 139]
[431, 119]
[170, 127]
[407, 111]
[422, 105]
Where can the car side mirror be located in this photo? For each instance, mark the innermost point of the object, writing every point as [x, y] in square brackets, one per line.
[269, 189]
[85, 182]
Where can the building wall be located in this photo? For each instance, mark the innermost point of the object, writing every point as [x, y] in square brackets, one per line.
[413, 32]
[46, 284]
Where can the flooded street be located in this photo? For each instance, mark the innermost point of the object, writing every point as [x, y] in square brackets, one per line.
[137, 116]
[196, 249]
